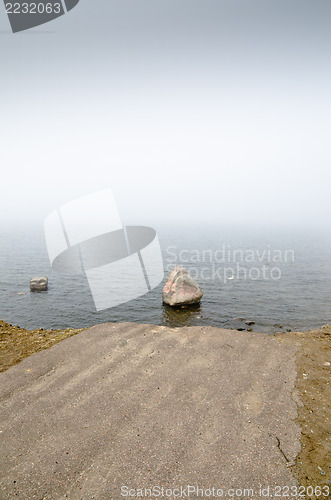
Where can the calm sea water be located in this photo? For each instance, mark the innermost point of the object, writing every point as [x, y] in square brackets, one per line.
[275, 278]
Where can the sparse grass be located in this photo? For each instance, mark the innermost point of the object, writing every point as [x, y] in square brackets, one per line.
[313, 386]
[17, 343]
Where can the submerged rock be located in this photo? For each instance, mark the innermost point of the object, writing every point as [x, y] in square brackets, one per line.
[181, 289]
[39, 284]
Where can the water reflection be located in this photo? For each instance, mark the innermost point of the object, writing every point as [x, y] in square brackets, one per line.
[181, 315]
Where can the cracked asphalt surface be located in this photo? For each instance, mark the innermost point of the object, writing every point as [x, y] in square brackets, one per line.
[135, 406]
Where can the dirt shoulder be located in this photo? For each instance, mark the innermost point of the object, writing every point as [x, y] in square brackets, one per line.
[313, 393]
[17, 343]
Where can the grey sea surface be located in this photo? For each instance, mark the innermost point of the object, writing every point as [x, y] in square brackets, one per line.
[280, 279]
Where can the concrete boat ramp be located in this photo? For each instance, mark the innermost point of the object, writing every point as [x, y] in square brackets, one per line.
[126, 410]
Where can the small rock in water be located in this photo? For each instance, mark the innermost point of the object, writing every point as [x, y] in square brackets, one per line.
[240, 329]
[239, 319]
[249, 323]
[181, 289]
[39, 284]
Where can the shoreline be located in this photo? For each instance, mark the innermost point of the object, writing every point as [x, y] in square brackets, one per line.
[312, 392]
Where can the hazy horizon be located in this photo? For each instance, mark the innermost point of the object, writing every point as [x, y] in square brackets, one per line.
[192, 112]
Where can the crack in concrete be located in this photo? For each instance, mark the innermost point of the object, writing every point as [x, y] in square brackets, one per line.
[280, 448]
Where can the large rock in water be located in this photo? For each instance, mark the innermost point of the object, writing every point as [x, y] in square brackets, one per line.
[39, 284]
[181, 289]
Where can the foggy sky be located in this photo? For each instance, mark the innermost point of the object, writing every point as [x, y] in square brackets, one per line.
[189, 110]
